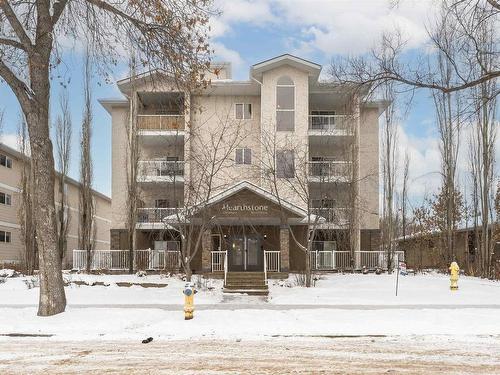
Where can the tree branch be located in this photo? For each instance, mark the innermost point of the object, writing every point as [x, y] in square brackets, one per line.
[12, 43]
[19, 87]
[495, 4]
[16, 24]
[58, 9]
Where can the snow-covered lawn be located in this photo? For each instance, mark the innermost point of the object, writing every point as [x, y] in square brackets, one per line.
[371, 289]
[339, 305]
[331, 289]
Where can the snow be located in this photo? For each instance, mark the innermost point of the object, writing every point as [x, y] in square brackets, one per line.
[371, 289]
[338, 305]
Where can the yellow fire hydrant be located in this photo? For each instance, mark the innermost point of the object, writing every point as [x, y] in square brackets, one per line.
[454, 271]
[188, 301]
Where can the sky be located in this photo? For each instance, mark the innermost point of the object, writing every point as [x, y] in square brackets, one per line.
[249, 31]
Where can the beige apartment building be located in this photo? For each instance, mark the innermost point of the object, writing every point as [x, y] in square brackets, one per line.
[11, 242]
[263, 159]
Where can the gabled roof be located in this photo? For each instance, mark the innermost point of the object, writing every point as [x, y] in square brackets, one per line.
[242, 185]
[312, 68]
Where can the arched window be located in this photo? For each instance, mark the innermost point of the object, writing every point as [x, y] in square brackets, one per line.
[285, 104]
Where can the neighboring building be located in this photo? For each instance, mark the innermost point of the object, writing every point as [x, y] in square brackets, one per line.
[11, 243]
[282, 101]
[425, 250]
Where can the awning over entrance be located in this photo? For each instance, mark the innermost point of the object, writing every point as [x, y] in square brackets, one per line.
[247, 203]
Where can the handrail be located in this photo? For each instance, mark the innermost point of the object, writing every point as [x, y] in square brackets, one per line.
[225, 267]
[265, 267]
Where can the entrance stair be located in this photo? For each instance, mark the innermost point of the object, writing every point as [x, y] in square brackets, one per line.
[250, 283]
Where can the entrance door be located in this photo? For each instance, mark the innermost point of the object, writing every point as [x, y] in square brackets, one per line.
[254, 253]
[245, 253]
[236, 254]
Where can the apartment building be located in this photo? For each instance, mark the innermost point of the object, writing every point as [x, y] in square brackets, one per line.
[273, 155]
[11, 242]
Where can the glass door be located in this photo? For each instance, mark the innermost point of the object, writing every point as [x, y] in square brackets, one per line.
[236, 254]
[254, 253]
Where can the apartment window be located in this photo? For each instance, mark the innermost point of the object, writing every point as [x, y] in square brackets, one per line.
[243, 156]
[243, 111]
[285, 164]
[5, 199]
[5, 236]
[285, 104]
[5, 161]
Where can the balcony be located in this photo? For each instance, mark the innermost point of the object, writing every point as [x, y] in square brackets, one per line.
[160, 124]
[329, 171]
[160, 171]
[333, 215]
[329, 125]
[155, 214]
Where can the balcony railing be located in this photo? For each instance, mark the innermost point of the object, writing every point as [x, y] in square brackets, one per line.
[327, 260]
[336, 215]
[328, 169]
[161, 170]
[118, 260]
[160, 122]
[155, 215]
[329, 123]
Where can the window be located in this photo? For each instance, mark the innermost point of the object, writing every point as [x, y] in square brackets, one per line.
[5, 161]
[285, 104]
[243, 111]
[5, 199]
[285, 164]
[5, 236]
[243, 156]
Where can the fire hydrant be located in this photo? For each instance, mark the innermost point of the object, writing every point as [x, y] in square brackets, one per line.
[454, 270]
[188, 301]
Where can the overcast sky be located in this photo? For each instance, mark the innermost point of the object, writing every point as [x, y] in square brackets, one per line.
[249, 31]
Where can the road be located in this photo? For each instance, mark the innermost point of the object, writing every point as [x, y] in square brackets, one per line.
[304, 355]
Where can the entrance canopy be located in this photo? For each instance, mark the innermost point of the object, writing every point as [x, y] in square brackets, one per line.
[247, 203]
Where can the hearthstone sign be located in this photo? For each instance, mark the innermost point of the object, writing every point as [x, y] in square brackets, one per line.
[244, 208]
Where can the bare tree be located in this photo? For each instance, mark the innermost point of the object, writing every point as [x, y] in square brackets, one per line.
[389, 175]
[86, 233]
[63, 134]
[25, 212]
[132, 166]
[168, 34]
[404, 196]
[381, 67]
[482, 143]
[211, 156]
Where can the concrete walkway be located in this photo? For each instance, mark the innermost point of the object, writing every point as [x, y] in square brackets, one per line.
[265, 306]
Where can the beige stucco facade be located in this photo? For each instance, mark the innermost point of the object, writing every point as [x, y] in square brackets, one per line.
[328, 120]
[10, 177]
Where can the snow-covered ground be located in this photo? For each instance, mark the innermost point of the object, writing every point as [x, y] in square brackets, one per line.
[338, 305]
[331, 289]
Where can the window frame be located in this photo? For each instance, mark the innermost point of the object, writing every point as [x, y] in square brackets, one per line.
[8, 161]
[7, 199]
[243, 112]
[286, 110]
[7, 236]
[244, 160]
[284, 170]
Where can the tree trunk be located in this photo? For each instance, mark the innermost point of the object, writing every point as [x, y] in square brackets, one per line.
[52, 297]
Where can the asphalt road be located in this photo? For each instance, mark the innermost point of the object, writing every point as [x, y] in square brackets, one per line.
[360, 355]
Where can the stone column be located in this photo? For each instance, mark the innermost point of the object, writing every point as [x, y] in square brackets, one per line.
[206, 251]
[284, 249]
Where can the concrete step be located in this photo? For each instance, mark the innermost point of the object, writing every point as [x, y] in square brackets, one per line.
[246, 287]
[250, 292]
